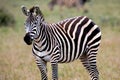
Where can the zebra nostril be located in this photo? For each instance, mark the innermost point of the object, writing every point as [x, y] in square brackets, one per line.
[28, 39]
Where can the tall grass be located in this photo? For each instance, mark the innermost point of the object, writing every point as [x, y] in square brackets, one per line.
[17, 61]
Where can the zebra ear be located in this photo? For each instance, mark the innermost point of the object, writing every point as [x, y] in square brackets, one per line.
[24, 10]
[37, 10]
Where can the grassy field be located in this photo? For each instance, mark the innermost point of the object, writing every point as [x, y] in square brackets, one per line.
[17, 61]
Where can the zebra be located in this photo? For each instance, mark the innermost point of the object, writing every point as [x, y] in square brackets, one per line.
[62, 42]
[68, 3]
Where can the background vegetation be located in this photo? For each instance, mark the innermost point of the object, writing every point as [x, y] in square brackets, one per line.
[17, 61]
[6, 18]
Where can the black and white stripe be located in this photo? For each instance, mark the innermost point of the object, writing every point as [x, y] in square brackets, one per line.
[65, 41]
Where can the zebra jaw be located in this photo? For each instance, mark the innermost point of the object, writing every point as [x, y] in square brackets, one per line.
[28, 40]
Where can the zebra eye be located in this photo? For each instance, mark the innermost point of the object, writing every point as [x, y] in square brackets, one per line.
[35, 23]
[25, 28]
[37, 17]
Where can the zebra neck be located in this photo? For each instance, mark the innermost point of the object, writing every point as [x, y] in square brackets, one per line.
[40, 33]
[43, 40]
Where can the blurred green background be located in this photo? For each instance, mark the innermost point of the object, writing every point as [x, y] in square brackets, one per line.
[17, 61]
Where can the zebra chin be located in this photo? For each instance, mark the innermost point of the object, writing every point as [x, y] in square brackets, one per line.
[28, 39]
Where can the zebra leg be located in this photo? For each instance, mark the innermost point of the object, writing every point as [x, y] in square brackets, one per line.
[54, 64]
[89, 62]
[42, 67]
[54, 71]
[92, 61]
[85, 62]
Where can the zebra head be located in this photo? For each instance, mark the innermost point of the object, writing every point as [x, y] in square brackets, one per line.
[32, 23]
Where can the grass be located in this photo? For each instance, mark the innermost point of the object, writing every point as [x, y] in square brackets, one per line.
[17, 61]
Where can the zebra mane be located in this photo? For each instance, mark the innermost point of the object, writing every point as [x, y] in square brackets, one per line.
[36, 10]
[32, 9]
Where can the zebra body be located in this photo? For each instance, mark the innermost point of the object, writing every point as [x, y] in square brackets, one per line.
[65, 41]
[68, 39]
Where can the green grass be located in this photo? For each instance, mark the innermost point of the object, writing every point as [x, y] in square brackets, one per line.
[17, 61]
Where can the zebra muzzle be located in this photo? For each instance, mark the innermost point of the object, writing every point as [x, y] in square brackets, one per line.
[28, 39]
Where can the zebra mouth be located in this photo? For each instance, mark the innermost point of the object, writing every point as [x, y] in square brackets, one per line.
[28, 39]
